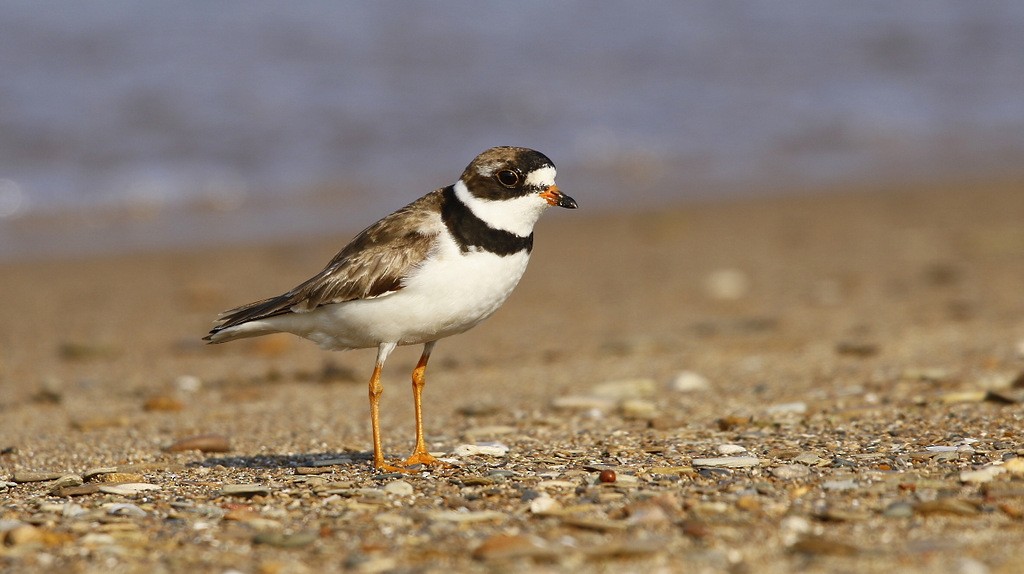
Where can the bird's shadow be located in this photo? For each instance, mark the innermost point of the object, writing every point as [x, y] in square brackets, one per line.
[287, 460]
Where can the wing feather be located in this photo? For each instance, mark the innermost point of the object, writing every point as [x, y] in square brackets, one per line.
[374, 264]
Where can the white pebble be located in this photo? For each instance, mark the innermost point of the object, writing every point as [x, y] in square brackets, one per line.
[795, 408]
[727, 284]
[730, 449]
[544, 505]
[728, 461]
[849, 484]
[985, 474]
[626, 389]
[583, 403]
[482, 448]
[689, 381]
[188, 383]
[399, 488]
[128, 488]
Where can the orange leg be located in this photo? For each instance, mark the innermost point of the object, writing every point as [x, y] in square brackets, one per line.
[419, 453]
[376, 390]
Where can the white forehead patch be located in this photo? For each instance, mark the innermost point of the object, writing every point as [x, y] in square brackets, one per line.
[541, 178]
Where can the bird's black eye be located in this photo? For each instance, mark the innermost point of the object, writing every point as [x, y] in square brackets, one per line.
[508, 178]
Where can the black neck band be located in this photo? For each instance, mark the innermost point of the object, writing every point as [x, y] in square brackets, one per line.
[471, 231]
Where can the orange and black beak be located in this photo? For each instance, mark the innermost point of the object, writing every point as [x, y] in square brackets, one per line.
[557, 198]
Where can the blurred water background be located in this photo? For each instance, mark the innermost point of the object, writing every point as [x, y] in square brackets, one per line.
[134, 125]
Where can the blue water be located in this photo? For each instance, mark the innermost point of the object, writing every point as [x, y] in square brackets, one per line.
[126, 103]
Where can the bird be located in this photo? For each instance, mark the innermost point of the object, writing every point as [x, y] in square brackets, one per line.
[432, 269]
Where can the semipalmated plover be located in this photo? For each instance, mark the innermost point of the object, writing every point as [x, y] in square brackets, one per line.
[434, 268]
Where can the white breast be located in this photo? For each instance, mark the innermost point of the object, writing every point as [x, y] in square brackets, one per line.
[450, 293]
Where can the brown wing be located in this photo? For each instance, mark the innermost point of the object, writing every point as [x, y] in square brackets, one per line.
[373, 264]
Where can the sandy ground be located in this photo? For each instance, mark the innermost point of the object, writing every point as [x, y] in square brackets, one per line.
[856, 356]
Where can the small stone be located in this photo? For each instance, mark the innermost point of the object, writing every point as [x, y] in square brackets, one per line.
[606, 476]
[285, 540]
[245, 490]
[202, 443]
[27, 476]
[460, 517]
[953, 506]
[128, 488]
[66, 481]
[22, 535]
[162, 403]
[981, 475]
[121, 477]
[188, 384]
[899, 510]
[639, 409]
[726, 284]
[481, 409]
[544, 504]
[97, 471]
[795, 408]
[848, 484]
[808, 458]
[790, 471]
[730, 449]
[727, 462]
[820, 545]
[481, 449]
[857, 348]
[626, 389]
[399, 488]
[78, 490]
[124, 509]
[583, 403]
[509, 547]
[689, 382]
[964, 397]
[1015, 466]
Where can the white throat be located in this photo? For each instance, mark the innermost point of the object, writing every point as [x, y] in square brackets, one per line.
[517, 215]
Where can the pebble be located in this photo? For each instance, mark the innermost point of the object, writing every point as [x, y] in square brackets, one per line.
[1015, 466]
[899, 510]
[188, 384]
[626, 389]
[124, 509]
[27, 476]
[981, 475]
[544, 504]
[848, 484]
[162, 403]
[727, 284]
[481, 449]
[202, 443]
[953, 506]
[794, 408]
[66, 481]
[639, 409]
[808, 458]
[727, 461]
[583, 403]
[285, 540]
[128, 488]
[730, 449]
[466, 517]
[689, 381]
[790, 471]
[244, 490]
[399, 488]
[513, 546]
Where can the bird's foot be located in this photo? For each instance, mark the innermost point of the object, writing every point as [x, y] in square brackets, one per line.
[411, 465]
[422, 457]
